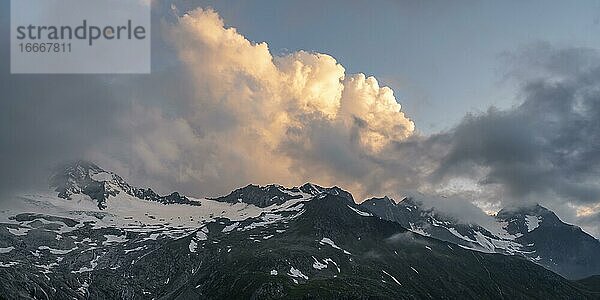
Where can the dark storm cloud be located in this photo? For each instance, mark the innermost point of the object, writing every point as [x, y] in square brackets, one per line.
[548, 147]
[48, 119]
[45, 118]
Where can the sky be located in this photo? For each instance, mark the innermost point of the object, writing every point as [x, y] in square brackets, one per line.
[496, 104]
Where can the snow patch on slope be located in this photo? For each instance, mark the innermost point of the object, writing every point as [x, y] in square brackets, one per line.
[319, 265]
[532, 222]
[297, 273]
[393, 278]
[193, 246]
[6, 250]
[329, 242]
[359, 212]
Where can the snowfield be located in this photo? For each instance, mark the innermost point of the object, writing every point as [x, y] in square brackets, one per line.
[137, 215]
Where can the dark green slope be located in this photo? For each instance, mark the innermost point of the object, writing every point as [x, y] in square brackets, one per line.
[424, 268]
[591, 283]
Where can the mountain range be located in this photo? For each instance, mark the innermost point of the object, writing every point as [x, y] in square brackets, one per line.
[533, 232]
[94, 236]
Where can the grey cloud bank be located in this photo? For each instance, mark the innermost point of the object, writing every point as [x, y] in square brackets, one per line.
[546, 149]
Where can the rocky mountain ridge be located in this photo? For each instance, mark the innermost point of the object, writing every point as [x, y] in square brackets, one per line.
[86, 178]
[257, 242]
[533, 232]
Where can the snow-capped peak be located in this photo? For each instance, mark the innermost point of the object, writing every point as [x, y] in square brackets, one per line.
[274, 194]
[523, 219]
[83, 177]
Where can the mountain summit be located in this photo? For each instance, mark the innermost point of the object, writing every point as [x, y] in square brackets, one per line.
[86, 178]
[277, 194]
[561, 247]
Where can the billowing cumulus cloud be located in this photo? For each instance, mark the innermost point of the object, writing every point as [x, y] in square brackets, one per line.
[255, 117]
[226, 113]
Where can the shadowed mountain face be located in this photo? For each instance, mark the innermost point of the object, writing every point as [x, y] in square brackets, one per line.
[256, 243]
[591, 283]
[411, 214]
[532, 232]
[560, 247]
